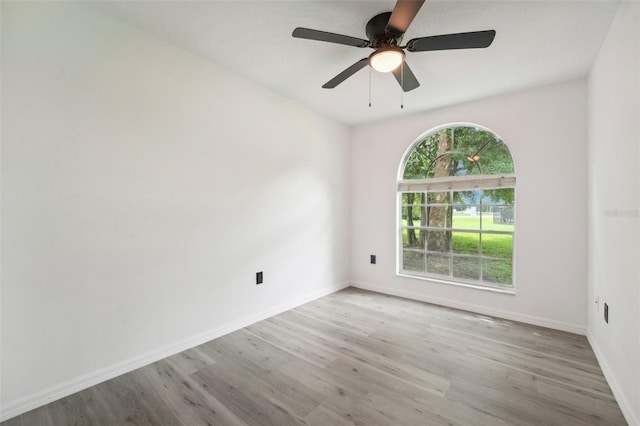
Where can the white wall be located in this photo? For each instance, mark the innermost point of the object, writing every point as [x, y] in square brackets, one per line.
[614, 208]
[142, 188]
[545, 129]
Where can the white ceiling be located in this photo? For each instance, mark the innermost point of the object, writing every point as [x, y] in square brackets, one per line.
[537, 43]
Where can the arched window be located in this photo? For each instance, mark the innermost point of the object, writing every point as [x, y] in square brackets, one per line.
[456, 195]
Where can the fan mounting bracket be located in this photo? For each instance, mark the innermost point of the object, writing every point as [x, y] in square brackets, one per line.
[377, 32]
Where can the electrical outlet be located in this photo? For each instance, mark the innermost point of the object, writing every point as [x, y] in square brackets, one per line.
[258, 277]
[606, 313]
[373, 259]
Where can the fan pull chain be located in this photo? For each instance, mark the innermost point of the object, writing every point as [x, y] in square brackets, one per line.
[402, 85]
[369, 87]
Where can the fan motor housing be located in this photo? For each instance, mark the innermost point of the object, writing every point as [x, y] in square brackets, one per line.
[376, 32]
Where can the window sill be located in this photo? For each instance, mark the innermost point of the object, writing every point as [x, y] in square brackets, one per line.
[510, 291]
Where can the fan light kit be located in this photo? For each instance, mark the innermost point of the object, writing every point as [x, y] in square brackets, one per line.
[384, 33]
[387, 59]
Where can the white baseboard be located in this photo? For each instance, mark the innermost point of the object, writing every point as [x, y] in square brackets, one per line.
[625, 405]
[45, 396]
[514, 316]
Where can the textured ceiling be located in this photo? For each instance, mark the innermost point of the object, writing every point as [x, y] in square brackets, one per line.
[537, 43]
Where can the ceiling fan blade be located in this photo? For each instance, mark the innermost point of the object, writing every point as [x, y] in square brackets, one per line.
[406, 79]
[329, 37]
[346, 74]
[472, 40]
[402, 16]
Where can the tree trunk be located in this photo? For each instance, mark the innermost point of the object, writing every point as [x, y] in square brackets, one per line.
[424, 221]
[439, 215]
[411, 233]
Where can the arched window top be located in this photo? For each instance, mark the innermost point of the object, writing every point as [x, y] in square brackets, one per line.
[457, 150]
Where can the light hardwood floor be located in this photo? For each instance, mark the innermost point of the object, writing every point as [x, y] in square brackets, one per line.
[357, 357]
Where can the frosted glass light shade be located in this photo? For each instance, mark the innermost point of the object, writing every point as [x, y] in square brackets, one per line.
[386, 60]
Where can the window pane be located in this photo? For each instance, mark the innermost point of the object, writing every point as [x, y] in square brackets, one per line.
[467, 243]
[438, 241]
[500, 214]
[412, 238]
[500, 196]
[495, 159]
[497, 210]
[498, 218]
[466, 221]
[413, 261]
[438, 264]
[464, 165]
[471, 139]
[466, 267]
[438, 212]
[497, 271]
[421, 158]
[497, 245]
[466, 211]
[409, 198]
[413, 208]
[461, 219]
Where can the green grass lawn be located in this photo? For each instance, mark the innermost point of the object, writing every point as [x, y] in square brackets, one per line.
[492, 245]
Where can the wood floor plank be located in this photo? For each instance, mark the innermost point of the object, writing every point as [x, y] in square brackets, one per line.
[241, 396]
[348, 323]
[190, 403]
[325, 381]
[323, 416]
[133, 401]
[429, 410]
[356, 357]
[581, 400]
[561, 370]
[353, 409]
[289, 392]
[292, 344]
[189, 361]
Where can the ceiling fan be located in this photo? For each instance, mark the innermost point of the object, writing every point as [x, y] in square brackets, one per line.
[385, 32]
